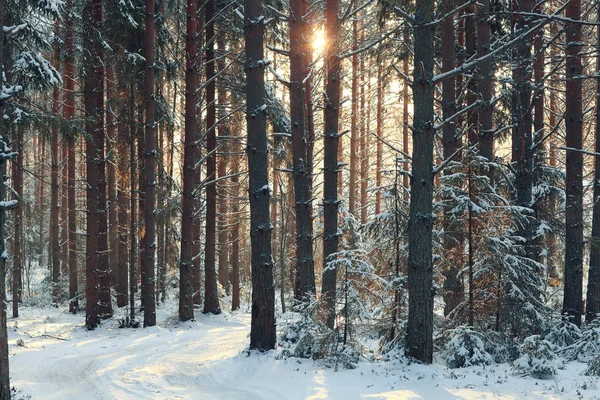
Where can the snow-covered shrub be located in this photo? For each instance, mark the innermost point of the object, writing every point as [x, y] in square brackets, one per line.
[562, 334]
[586, 347]
[593, 368]
[537, 358]
[501, 348]
[466, 348]
[308, 337]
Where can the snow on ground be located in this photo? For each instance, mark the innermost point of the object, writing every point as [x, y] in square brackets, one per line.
[208, 359]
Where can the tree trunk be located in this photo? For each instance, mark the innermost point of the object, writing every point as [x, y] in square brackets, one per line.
[17, 171]
[234, 239]
[330, 161]
[133, 196]
[186, 263]
[262, 329]
[573, 278]
[94, 109]
[149, 251]
[379, 163]
[300, 151]
[523, 147]
[593, 288]
[453, 238]
[54, 187]
[419, 334]
[364, 131]
[224, 131]
[485, 82]
[211, 292]
[352, 185]
[113, 238]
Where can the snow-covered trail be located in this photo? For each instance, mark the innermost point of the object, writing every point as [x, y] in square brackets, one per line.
[205, 359]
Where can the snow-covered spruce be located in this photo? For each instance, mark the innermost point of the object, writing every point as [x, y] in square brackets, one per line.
[537, 358]
[466, 348]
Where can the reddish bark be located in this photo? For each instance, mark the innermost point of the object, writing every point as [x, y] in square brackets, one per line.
[211, 295]
[573, 278]
[186, 272]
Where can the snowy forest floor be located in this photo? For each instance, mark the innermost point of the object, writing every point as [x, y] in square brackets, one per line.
[208, 359]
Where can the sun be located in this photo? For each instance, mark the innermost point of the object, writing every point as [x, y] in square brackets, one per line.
[318, 42]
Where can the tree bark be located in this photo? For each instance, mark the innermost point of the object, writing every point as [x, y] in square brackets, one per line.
[573, 278]
[211, 292]
[17, 171]
[352, 185]
[379, 130]
[419, 334]
[149, 251]
[301, 153]
[112, 204]
[54, 187]
[69, 114]
[453, 237]
[593, 288]
[223, 130]
[262, 327]
[186, 263]
[330, 161]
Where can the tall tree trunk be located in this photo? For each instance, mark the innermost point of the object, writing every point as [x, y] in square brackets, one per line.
[5, 390]
[405, 117]
[573, 278]
[113, 238]
[352, 185]
[122, 277]
[211, 293]
[452, 239]
[94, 108]
[300, 151]
[17, 171]
[379, 131]
[149, 251]
[262, 328]
[593, 288]
[69, 114]
[234, 238]
[42, 183]
[133, 232]
[364, 131]
[54, 187]
[224, 130]
[523, 147]
[186, 263]
[485, 80]
[419, 334]
[330, 161]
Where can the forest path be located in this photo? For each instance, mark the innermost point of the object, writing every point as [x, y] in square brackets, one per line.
[190, 360]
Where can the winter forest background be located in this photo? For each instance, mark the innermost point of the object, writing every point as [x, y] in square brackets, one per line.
[399, 188]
